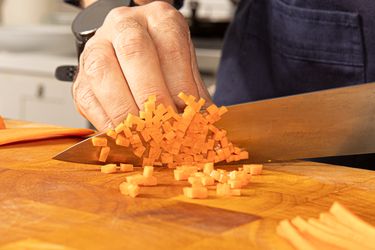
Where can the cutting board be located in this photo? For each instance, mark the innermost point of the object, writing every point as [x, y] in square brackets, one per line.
[47, 204]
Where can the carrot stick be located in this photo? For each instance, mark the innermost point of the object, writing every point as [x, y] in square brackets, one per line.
[349, 219]
[287, 231]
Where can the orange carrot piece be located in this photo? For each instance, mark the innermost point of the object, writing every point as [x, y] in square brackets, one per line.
[148, 171]
[139, 151]
[111, 133]
[195, 192]
[126, 167]
[99, 141]
[212, 109]
[122, 141]
[289, 232]
[108, 169]
[104, 152]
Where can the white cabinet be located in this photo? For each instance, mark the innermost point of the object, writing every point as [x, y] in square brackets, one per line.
[34, 96]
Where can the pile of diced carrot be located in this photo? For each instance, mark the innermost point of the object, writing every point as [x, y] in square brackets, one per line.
[161, 136]
[337, 229]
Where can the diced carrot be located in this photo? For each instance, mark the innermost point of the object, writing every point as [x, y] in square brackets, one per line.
[195, 192]
[208, 167]
[122, 141]
[235, 192]
[222, 189]
[108, 169]
[119, 128]
[207, 181]
[104, 152]
[126, 167]
[235, 184]
[111, 133]
[195, 181]
[253, 169]
[99, 141]
[139, 151]
[137, 179]
[212, 109]
[150, 181]
[244, 155]
[222, 110]
[148, 171]
[127, 132]
[133, 190]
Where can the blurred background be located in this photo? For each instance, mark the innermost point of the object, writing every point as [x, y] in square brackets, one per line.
[35, 38]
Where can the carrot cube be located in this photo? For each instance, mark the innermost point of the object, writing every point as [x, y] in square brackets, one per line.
[207, 181]
[119, 128]
[208, 167]
[215, 174]
[99, 141]
[139, 151]
[150, 181]
[166, 158]
[253, 169]
[195, 192]
[126, 167]
[212, 109]
[170, 135]
[133, 190]
[148, 171]
[244, 155]
[195, 181]
[180, 175]
[111, 133]
[223, 189]
[145, 135]
[137, 179]
[128, 133]
[235, 184]
[104, 152]
[222, 110]
[223, 178]
[235, 192]
[108, 169]
[122, 141]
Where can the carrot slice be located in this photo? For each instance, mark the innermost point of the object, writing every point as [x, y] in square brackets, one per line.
[288, 231]
[99, 141]
[2, 123]
[351, 220]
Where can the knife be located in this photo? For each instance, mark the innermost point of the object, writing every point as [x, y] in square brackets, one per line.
[324, 123]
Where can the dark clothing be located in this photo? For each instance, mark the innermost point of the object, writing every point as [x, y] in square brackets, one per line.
[282, 47]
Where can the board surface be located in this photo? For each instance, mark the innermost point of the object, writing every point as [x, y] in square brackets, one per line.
[48, 204]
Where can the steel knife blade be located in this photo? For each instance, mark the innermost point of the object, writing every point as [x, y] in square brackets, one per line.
[332, 122]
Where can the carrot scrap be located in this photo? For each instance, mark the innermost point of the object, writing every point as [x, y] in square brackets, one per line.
[108, 169]
[104, 152]
[99, 141]
[195, 192]
[129, 189]
[126, 167]
[253, 169]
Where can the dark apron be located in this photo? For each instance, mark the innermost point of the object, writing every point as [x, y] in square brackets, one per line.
[282, 47]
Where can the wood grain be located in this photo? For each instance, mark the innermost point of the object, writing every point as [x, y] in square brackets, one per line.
[47, 204]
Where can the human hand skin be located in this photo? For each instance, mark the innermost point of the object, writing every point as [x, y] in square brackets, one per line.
[138, 52]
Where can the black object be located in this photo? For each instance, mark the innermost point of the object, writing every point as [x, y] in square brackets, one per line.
[85, 25]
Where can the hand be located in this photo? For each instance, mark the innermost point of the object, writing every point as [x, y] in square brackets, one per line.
[138, 52]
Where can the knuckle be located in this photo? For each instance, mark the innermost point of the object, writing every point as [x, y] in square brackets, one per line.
[160, 6]
[83, 96]
[95, 59]
[117, 14]
[130, 45]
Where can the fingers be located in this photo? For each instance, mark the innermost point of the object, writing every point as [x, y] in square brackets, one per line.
[137, 55]
[103, 72]
[170, 34]
[88, 105]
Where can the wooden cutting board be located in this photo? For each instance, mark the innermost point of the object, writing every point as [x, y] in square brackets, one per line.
[47, 204]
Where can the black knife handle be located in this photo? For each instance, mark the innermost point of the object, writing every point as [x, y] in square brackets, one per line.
[66, 73]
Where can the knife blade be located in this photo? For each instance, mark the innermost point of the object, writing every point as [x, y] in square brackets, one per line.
[330, 122]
